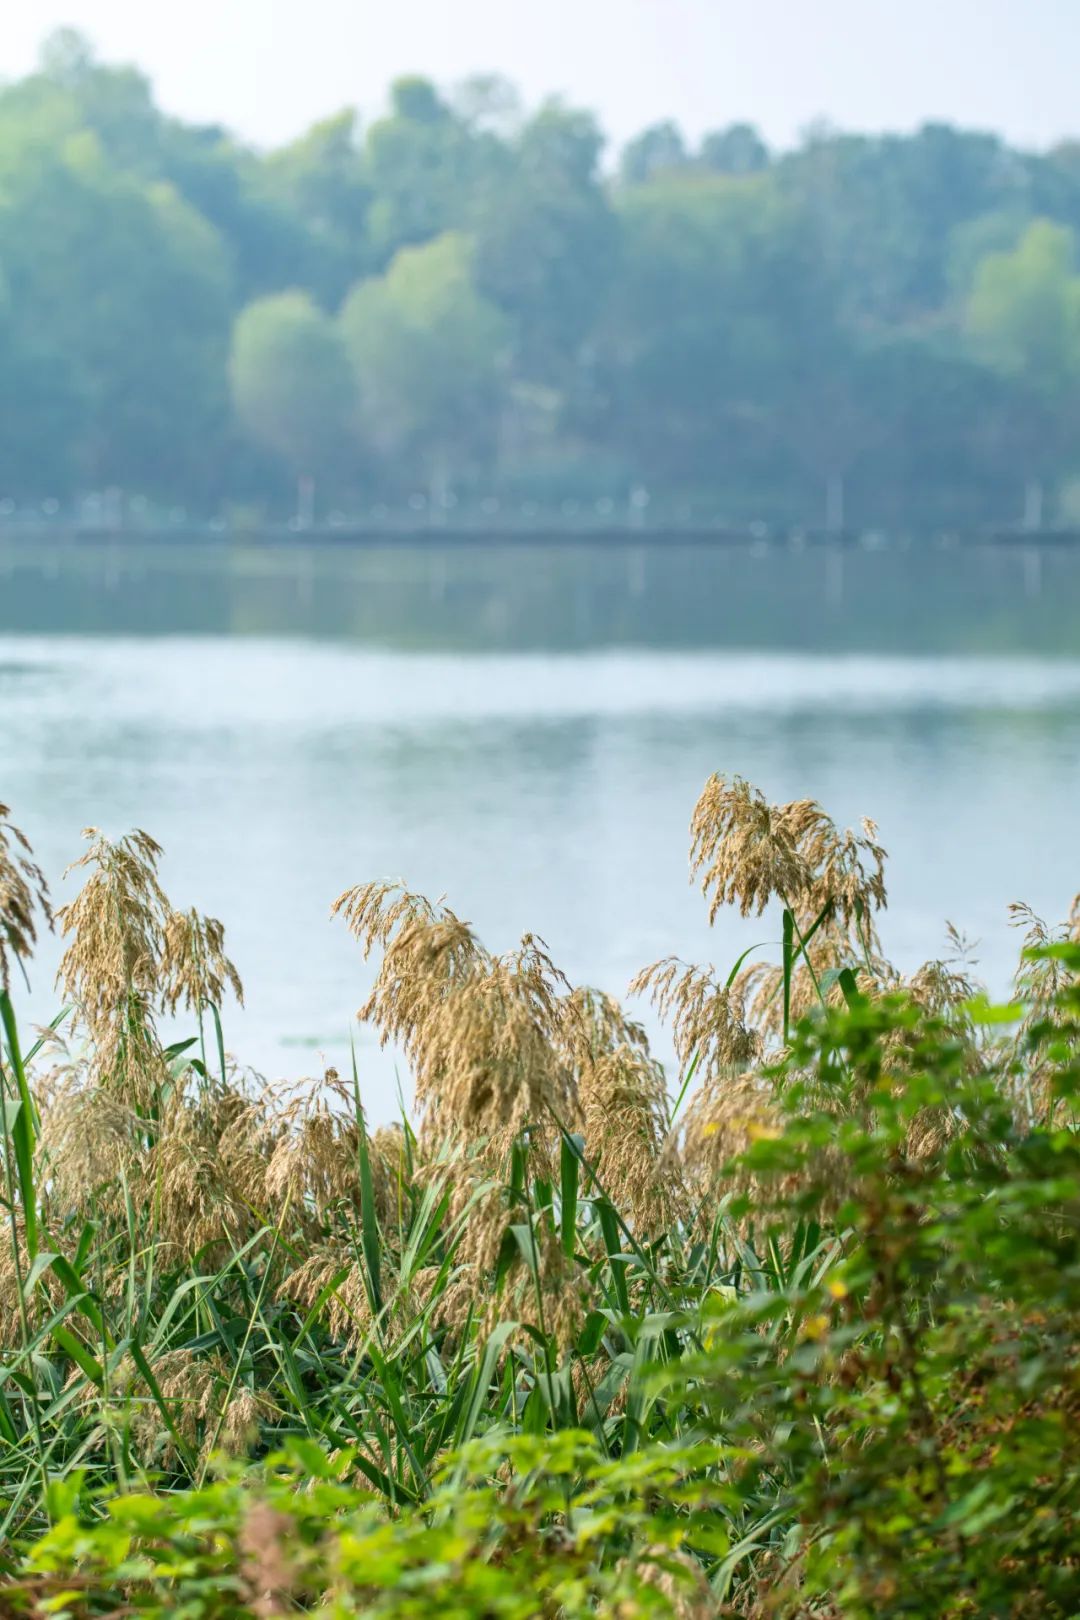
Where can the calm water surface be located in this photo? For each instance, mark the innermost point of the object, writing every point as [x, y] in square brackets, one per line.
[525, 733]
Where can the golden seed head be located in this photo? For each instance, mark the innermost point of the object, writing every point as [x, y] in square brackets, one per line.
[749, 852]
[483, 1033]
[195, 971]
[24, 895]
[708, 1019]
[110, 969]
[623, 1093]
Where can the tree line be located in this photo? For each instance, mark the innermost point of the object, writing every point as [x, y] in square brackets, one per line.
[464, 298]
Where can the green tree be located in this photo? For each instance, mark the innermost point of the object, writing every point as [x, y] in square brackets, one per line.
[715, 304]
[43, 412]
[880, 211]
[739, 149]
[660, 149]
[262, 220]
[292, 388]
[546, 241]
[322, 180]
[425, 163]
[427, 353]
[130, 287]
[1023, 316]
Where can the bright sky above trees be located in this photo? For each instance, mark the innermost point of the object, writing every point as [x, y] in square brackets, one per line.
[268, 68]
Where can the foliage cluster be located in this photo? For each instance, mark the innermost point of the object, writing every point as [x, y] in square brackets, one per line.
[461, 301]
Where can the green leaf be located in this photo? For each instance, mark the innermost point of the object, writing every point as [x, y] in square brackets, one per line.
[570, 1171]
[609, 1226]
[985, 1012]
[22, 1129]
[80, 1355]
[789, 935]
[371, 1236]
[849, 985]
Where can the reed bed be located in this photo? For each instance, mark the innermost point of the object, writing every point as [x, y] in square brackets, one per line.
[793, 1332]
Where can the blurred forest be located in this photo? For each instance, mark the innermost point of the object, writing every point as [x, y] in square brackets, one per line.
[467, 300]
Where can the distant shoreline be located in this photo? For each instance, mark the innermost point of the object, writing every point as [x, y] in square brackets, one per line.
[773, 537]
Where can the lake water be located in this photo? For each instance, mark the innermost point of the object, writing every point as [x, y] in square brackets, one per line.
[524, 730]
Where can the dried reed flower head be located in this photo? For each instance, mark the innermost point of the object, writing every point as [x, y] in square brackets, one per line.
[196, 1165]
[242, 1418]
[623, 1094]
[491, 1061]
[596, 1023]
[748, 848]
[194, 1387]
[314, 1163]
[566, 1292]
[16, 1263]
[483, 1033]
[196, 1177]
[454, 1305]
[709, 1019]
[247, 1130]
[814, 979]
[116, 924]
[426, 951]
[750, 852]
[479, 1210]
[391, 1174]
[110, 968]
[599, 1386]
[550, 1293]
[23, 893]
[1040, 982]
[195, 971]
[848, 870]
[625, 1103]
[942, 986]
[725, 1116]
[680, 1580]
[91, 1143]
[331, 1275]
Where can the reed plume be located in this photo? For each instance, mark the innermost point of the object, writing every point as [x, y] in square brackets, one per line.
[624, 1103]
[130, 956]
[115, 929]
[1039, 981]
[24, 896]
[209, 1411]
[748, 852]
[1041, 984]
[330, 1277]
[482, 1032]
[315, 1161]
[91, 1141]
[708, 1019]
[943, 985]
[195, 971]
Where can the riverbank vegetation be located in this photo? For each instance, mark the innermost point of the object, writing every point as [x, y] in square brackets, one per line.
[792, 1335]
[465, 302]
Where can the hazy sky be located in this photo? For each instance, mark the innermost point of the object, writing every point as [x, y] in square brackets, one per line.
[270, 67]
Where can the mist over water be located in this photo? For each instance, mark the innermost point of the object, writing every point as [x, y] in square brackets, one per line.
[288, 722]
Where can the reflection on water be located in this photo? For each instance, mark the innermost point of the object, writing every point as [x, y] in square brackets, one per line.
[577, 595]
[546, 789]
